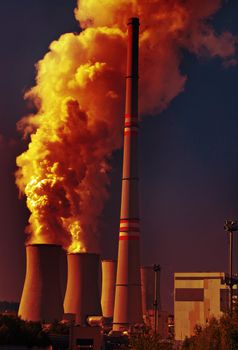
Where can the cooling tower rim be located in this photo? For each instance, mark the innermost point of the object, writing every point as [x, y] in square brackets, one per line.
[109, 260]
[83, 254]
[147, 267]
[42, 245]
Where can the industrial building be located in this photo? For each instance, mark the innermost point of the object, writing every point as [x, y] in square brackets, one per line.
[121, 298]
[198, 296]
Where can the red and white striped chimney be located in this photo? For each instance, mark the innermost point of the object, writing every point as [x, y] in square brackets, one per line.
[128, 308]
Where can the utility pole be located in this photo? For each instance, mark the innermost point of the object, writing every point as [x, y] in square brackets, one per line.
[231, 226]
[231, 269]
[156, 269]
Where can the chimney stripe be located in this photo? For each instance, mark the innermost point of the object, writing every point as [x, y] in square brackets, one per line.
[133, 229]
[130, 220]
[131, 132]
[131, 125]
[130, 228]
[129, 238]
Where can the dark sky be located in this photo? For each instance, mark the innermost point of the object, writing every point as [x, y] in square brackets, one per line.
[189, 153]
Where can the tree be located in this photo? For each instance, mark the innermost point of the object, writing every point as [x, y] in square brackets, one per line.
[147, 340]
[15, 331]
[219, 334]
[58, 327]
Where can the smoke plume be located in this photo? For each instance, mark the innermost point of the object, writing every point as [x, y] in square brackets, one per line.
[79, 95]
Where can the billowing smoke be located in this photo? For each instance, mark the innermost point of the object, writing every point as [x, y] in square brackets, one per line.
[79, 95]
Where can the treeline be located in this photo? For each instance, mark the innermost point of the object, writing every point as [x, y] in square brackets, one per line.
[147, 340]
[8, 306]
[15, 331]
[219, 334]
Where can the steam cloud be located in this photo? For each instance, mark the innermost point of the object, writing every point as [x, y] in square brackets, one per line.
[79, 94]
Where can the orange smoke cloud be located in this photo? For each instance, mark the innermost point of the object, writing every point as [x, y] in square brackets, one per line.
[79, 94]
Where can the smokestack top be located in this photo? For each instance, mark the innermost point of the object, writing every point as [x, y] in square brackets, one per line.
[42, 245]
[133, 20]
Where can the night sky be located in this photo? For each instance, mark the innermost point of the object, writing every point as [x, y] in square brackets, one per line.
[189, 153]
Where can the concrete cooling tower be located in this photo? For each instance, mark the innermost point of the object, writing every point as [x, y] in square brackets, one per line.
[82, 292]
[109, 269]
[41, 297]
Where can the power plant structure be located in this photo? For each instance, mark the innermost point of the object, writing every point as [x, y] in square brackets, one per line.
[121, 297]
[128, 307]
[153, 315]
[109, 268]
[41, 297]
[198, 297]
[82, 296]
[148, 293]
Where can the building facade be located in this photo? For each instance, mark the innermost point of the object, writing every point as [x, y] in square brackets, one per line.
[198, 296]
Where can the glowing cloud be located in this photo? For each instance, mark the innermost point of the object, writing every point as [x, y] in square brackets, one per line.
[79, 94]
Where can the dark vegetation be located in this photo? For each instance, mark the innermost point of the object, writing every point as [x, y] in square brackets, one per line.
[15, 331]
[8, 306]
[147, 340]
[58, 328]
[219, 334]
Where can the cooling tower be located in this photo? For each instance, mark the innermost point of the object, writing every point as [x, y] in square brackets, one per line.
[128, 309]
[109, 268]
[82, 291]
[41, 297]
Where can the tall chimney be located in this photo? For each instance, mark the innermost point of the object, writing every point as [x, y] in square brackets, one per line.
[41, 297]
[82, 292]
[128, 309]
[108, 287]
